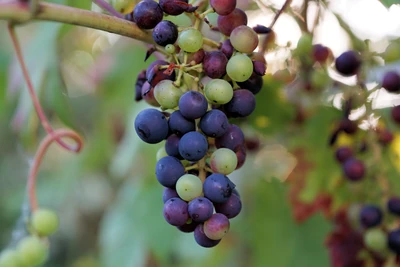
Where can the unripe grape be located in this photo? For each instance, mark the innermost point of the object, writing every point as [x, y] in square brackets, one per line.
[375, 239]
[304, 45]
[218, 91]
[239, 68]
[244, 39]
[392, 52]
[189, 187]
[32, 251]
[167, 94]
[44, 222]
[223, 161]
[190, 40]
[9, 258]
[217, 226]
[123, 6]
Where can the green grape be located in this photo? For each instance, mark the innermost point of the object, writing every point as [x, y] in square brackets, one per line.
[304, 45]
[9, 258]
[319, 78]
[392, 52]
[170, 49]
[239, 68]
[223, 161]
[123, 6]
[375, 239]
[244, 39]
[44, 222]
[190, 40]
[32, 251]
[167, 94]
[189, 187]
[218, 91]
[161, 153]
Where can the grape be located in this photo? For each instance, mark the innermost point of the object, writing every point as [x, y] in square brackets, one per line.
[32, 251]
[370, 216]
[385, 136]
[196, 57]
[175, 211]
[44, 222]
[202, 239]
[260, 29]
[172, 146]
[239, 68]
[148, 95]
[393, 205]
[123, 6]
[9, 258]
[253, 84]
[154, 75]
[319, 78]
[304, 45]
[320, 53]
[214, 64]
[348, 126]
[375, 239]
[161, 153]
[167, 94]
[165, 33]
[173, 7]
[259, 68]
[394, 241]
[189, 187]
[147, 14]
[223, 161]
[200, 209]
[227, 23]
[227, 48]
[240, 152]
[188, 227]
[231, 139]
[217, 226]
[396, 114]
[391, 82]
[151, 126]
[179, 124]
[348, 63]
[193, 146]
[190, 40]
[242, 104]
[223, 7]
[140, 80]
[170, 49]
[392, 52]
[169, 170]
[193, 105]
[343, 153]
[244, 39]
[169, 193]
[231, 208]
[218, 188]
[354, 169]
[214, 123]
[218, 91]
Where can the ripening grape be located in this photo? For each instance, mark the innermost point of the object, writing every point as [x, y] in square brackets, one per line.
[214, 123]
[217, 226]
[218, 188]
[190, 40]
[394, 241]
[375, 239]
[304, 45]
[44, 222]
[193, 105]
[151, 126]
[123, 6]
[393, 205]
[32, 251]
[202, 239]
[244, 39]
[147, 14]
[223, 7]
[148, 95]
[259, 68]
[167, 94]
[232, 207]
[175, 211]
[227, 48]
[348, 63]
[354, 169]
[370, 216]
[239, 68]
[343, 153]
[165, 33]
[193, 146]
[218, 91]
[179, 124]
[214, 64]
[391, 82]
[227, 23]
[200, 209]
[392, 52]
[232, 138]
[320, 53]
[169, 193]
[169, 170]
[223, 161]
[189, 187]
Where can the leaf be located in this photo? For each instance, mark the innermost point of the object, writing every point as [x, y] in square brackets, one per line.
[388, 3]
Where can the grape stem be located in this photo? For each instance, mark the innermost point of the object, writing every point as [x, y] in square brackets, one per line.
[107, 7]
[277, 15]
[44, 145]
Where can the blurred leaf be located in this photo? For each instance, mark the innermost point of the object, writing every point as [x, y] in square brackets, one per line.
[388, 3]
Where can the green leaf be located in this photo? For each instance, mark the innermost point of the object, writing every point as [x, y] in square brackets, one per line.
[388, 3]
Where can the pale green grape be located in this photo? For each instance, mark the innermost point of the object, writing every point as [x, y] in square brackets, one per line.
[32, 251]
[189, 187]
[167, 94]
[244, 39]
[239, 68]
[161, 153]
[319, 78]
[190, 40]
[375, 239]
[44, 222]
[304, 45]
[9, 258]
[392, 52]
[223, 161]
[170, 49]
[218, 91]
[123, 6]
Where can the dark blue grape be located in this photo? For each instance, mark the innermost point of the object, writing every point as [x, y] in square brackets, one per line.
[261, 29]
[393, 205]
[227, 48]
[348, 63]
[179, 124]
[253, 84]
[172, 146]
[151, 126]
[175, 211]
[188, 227]
[391, 82]
[193, 105]
[202, 239]
[232, 138]
[147, 14]
[155, 75]
[214, 123]
[343, 153]
[169, 193]
[193, 146]
[214, 64]
[242, 104]
[169, 170]
[354, 169]
[231, 208]
[218, 188]
[394, 241]
[165, 33]
[370, 216]
[200, 209]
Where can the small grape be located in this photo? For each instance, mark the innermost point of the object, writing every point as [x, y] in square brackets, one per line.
[175, 211]
[193, 146]
[244, 39]
[370, 216]
[304, 45]
[239, 68]
[151, 126]
[253, 84]
[200, 209]
[44, 222]
[232, 207]
[214, 123]
[394, 241]
[169, 170]
[242, 104]
[190, 40]
[375, 239]
[227, 48]
[147, 14]
[202, 239]
[217, 226]
[227, 23]
[167, 94]
[393, 205]
[392, 52]
[189, 187]
[354, 169]
[343, 153]
[259, 68]
[348, 63]
[32, 251]
[179, 124]
[165, 33]
[218, 91]
[9, 258]
[223, 161]
[169, 193]
[218, 188]
[320, 53]
[170, 49]
[391, 82]
[196, 57]
[193, 105]
[223, 7]
[232, 138]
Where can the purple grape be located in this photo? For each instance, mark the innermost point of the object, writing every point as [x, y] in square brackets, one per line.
[165, 33]
[197, 57]
[200, 209]
[217, 226]
[147, 14]
[179, 124]
[151, 126]
[394, 241]
[214, 123]
[242, 104]
[393, 205]
[174, 7]
[259, 67]
[223, 7]
[154, 75]
[391, 82]
[396, 114]
[232, 138]
[354, 169]
[218, 188]
[193, 105]
[348, 63]
[240, 152]
[260, 29]
[202, 239]
[214, 64]
[169, 170]
[343, 153]
[370, 216]
[348, 126]
[253, 84]
[188, 227]
[227, 48]
[320, 53]
[175, 211]
[169, 193]
[193, 146]
[140, 80]
[227, 23]
[172, 146]
[231, 208]
[148, 95]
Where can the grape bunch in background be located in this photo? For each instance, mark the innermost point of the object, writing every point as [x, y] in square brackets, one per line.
[198, 88]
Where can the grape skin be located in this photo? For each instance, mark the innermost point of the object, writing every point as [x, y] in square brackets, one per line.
[189, 187]
[218, 188]
[216, 227]
[244, 39]
[214, 64]
[232, 138]
[214, 123]
[227, 23]
[223, 161]
[151, 126]
[370, 216]
[169, 170]
[231, 208]
[239, 68]
[200, 209]
[179, 124]
[165, 33]
[193, 105]
[242, 104]
[147, 14]
[175, 211]
[193, 146]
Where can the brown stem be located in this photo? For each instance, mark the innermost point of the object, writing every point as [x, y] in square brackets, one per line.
[277, 15]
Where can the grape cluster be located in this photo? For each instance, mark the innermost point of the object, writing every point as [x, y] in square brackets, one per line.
[32, 250]
[198, 87]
